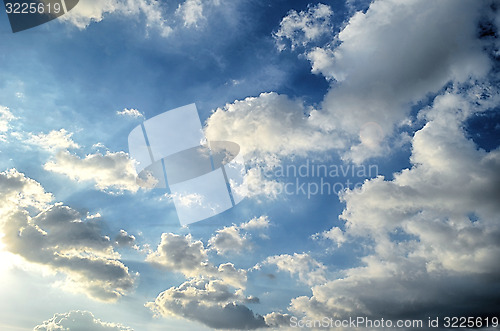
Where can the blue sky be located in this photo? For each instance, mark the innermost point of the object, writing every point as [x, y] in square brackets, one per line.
[409, 90]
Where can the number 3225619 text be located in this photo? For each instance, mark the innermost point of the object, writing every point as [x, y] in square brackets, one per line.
[33, 8]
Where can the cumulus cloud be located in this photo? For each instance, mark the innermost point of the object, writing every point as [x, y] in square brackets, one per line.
[383, 62]
[268, 128]
[188, 256]
[335, 234]
[53, 141]
[78, 320]
[18, 191]
[391, 57]
[228, 239]
[210, 302]
[111, 172]
[130, 112]
[261, 222]
[301, 28]
[212, 295]
[60, 238]
[270, 123]
[256, 185]
[124, 239]
[433, 230]
[231, 238]
[277, 320]
[309, 271]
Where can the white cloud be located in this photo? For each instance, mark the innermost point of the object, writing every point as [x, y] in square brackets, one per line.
[231, 238]
[261, 222]
[277, 320]
[187, 200]
[309, 270]
[268, 124]
[383, 61]
[210, 302]
[191, 12]
[78, 320]
[392, 56]
[5, 117]
[256, 185]
[322, 61]
[195, 12]
[131, 112]
[111, 172]
[188, 256]
[228, 239]
[124, 239]
[304, 27]
[212, 295]
[60, 238]
[53, 141]
[431, 231]
[335, 234]
[89, 11]
[18, 191]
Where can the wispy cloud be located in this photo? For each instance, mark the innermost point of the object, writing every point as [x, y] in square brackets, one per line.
[130, 112]
[53, 141]
[111, 172]
[79, 320]
[5, 117]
